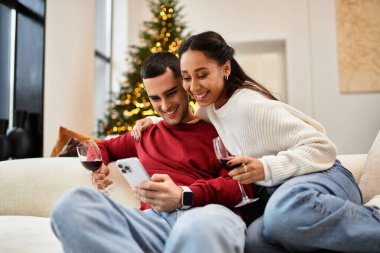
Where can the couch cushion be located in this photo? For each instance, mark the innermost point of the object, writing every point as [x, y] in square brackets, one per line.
[25, 234]
[369, 181]
[70, 148]
[354, 163]
[64, 136]
[32, 186]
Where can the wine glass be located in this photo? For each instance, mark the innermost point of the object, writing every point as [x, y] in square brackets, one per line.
[224, 156]
[91, 158]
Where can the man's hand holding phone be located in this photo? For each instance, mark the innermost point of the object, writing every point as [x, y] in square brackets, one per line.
[160, 192]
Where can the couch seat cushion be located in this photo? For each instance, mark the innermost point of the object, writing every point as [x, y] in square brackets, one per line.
[31, 186]
[27, 234]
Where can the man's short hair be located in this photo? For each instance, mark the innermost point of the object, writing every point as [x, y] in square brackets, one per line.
[156, 65]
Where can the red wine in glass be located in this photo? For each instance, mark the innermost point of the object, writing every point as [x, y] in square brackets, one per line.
[90, 156]
[92, 165]
[223, 155]
[224, 162]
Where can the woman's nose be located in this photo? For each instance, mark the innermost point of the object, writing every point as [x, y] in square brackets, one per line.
[194, 85]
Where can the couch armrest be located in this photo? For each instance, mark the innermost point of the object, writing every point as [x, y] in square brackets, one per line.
[355, 163]
[32, 186]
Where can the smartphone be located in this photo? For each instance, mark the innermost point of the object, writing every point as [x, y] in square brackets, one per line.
[132, 170]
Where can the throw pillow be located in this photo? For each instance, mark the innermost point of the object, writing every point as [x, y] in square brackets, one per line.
[64, 136]
[70, 149]
[369, 181]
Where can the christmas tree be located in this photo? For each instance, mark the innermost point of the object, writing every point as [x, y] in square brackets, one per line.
[163, 33]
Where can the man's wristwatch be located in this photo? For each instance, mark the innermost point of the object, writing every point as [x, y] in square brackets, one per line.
[187, 198]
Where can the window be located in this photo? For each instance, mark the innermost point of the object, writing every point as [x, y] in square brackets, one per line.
[103, 51]
[7, 24]
[22, 28]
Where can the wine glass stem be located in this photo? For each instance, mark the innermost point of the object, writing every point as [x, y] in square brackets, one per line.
[243, 193]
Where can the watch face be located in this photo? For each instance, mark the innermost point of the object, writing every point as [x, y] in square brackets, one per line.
[187, 198]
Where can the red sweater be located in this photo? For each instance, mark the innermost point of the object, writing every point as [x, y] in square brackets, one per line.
[184, 152]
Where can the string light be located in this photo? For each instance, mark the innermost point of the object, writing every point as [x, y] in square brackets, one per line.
[193, 105]
[148, 112]
[140, 105]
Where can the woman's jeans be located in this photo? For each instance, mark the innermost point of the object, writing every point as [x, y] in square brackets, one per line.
[85, 220]
[318, 211]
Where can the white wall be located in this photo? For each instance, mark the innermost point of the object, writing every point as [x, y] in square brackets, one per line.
[69, 68]
[308, 29]
[352, 120]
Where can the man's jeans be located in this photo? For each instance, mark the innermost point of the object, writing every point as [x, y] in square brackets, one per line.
[85, 220]
[313, 212]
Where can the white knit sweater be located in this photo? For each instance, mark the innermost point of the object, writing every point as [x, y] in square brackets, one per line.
[287, 142]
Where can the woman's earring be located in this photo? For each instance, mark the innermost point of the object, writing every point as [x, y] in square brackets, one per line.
[226, 77]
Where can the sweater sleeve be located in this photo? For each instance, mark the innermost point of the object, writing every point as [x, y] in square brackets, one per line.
[117, 148]
[299, 143]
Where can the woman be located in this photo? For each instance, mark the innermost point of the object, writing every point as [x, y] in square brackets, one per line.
[313, 200]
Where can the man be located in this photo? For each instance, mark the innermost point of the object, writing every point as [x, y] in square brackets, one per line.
[178, 154]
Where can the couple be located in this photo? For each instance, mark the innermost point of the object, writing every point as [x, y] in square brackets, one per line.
[305, 213]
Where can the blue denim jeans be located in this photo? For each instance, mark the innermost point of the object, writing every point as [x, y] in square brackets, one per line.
[85, 220]
[316, 212]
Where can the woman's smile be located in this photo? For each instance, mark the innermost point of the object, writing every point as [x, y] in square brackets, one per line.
[200, 97]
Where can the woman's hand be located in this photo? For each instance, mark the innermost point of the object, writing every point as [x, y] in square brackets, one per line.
[140, 126]
[99, 178]
[251, 170]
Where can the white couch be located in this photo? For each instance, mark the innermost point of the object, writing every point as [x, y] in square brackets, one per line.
[28, 190]
[30, 187]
